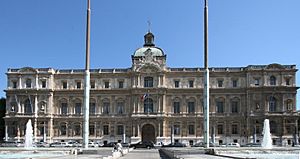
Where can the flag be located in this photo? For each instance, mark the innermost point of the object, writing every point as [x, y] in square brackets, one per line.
[143, 97]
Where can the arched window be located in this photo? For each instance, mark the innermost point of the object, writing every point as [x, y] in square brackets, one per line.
[148, 82]
[191, 107]
[272, 104]
[176, 107]
[28, 83]
[28, 106]
[77, 108]
[220, 105]
[106, 106]
[64, 108]
[272, 80]
[148, 105]
[120, 107]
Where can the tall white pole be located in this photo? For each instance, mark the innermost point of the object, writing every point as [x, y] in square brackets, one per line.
[206, 78]
[87, 81]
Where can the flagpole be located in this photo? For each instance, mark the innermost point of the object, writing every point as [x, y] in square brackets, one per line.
[87, 81]
[206, 78]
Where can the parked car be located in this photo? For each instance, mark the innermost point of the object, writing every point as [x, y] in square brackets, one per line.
[201, 144]
[251, 145]
[41, 144]
[143, 144]
[92, 144]
[74, 144]
[176, 144]
[8, 144]
[233, 145]
[110, 144]
[58, 144]
[125, 144]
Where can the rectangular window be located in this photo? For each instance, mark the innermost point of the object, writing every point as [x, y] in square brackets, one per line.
[120, 129]
[220, 83]
[191, 83]
[234, 129]
[14, 84]
[44, 84]
[64, 84]
[121, 84]
[176, 129]
[105, 130]
[176, 107]
[287, 82]
[78, 108]
[256, 82]
[78, 85]
[234, 107]
[92, 130]
[234, 83]
[106, 84]
[191, 107]
[220, 129]
[92, 108]
[148, 82]
[176, 84]
[93, 84]
[191, 129]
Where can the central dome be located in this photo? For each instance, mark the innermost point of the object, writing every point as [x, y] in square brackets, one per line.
[149, 46]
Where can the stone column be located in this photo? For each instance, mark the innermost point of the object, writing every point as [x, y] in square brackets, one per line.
[51, 133]
[20, 82]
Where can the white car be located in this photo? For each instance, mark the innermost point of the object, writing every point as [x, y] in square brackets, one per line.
[233, 145]
[92, 144]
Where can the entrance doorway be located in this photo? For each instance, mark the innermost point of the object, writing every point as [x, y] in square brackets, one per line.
[148, 133]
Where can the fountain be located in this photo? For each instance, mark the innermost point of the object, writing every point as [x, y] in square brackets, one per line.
[28, 135]
[267, 140]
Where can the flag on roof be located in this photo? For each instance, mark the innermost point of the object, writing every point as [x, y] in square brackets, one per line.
[144, 96]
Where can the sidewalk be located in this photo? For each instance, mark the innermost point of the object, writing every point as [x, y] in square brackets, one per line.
[141, 153]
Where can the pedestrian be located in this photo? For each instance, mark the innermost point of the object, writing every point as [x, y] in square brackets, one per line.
[119, 147]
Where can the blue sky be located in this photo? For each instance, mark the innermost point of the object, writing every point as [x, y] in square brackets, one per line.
[51, 33]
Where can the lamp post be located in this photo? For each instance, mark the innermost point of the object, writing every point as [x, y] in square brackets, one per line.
[206, 78]
[87, 81]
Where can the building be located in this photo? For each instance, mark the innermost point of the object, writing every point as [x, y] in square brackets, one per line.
[150, 101]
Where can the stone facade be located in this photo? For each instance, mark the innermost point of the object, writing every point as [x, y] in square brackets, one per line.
[150, 101]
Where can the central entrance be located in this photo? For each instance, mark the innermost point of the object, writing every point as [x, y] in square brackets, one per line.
[148, 133]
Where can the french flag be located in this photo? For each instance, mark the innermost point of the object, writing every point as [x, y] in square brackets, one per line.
[143, 97]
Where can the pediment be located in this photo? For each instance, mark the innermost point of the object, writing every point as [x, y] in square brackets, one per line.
[275, 66]
[28, 70]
